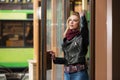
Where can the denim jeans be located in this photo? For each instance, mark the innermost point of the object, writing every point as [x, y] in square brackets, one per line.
[81, 75]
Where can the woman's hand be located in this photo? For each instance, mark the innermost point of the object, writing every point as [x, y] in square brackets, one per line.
[52, 54]
[83, 13]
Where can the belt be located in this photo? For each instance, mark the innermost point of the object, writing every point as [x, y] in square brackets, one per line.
[74, 68]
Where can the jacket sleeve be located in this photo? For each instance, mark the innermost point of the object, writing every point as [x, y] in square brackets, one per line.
[85, 34]
[59, 60]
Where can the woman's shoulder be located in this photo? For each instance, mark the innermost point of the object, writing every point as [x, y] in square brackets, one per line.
[79, 36]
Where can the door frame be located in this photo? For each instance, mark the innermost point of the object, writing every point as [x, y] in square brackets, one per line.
[92, 39]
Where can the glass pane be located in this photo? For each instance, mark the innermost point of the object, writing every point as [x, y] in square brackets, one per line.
[55, 29]
[49, 20]
[48, 25]
[12, 34]
[59, 36]
[16, 34]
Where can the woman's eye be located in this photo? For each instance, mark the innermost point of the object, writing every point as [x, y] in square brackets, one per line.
[75, 20]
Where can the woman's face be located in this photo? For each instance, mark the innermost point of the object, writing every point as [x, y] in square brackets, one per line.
[73, 22]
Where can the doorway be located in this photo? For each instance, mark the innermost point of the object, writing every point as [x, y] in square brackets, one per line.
[53, 20]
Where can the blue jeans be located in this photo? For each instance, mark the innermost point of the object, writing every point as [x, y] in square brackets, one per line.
[81, 75]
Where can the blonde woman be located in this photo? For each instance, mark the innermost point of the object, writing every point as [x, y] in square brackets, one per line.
[74, 47]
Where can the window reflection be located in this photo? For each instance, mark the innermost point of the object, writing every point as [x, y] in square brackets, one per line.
[29, 35]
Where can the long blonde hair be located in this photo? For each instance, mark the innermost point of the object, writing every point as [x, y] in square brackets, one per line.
[67, 26]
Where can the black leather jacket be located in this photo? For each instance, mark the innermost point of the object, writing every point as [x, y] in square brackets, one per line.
[73, 51]
[76, 49]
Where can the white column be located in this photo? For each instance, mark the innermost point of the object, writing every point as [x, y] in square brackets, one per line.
[32, 70]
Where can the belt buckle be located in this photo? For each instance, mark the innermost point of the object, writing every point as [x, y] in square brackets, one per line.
[73, 69]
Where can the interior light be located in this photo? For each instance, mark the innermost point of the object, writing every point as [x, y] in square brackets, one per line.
[28, 0]
[2, 0]
[11, 0]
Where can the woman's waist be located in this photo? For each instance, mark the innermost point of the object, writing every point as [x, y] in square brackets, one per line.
[74, 68]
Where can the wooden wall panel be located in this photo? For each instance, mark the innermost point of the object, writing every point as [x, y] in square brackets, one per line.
[100, 41]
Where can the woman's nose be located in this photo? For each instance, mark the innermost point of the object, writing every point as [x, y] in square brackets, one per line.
[71, 22]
